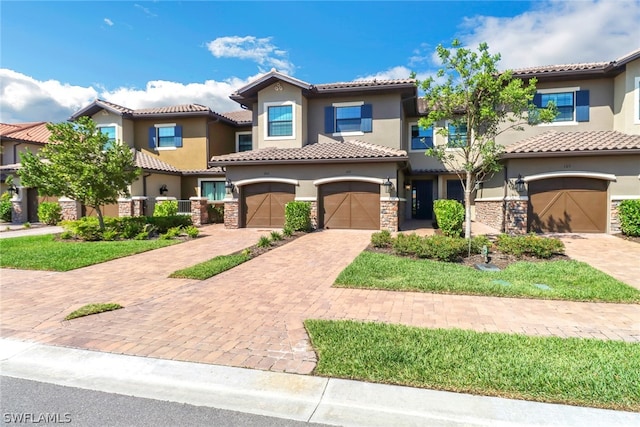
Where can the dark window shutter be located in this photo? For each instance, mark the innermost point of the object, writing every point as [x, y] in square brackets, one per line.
[178, 136]
[582, 106]
[329, 120]
[366, 122]
[537, 100]
[152, 137]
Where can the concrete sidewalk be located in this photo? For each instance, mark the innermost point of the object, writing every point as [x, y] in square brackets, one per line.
[290, 396]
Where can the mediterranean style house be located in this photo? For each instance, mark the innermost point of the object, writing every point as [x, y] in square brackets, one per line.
[355, 152]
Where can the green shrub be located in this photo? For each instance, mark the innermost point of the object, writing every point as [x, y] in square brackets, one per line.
[166, 208]
[86, 228]
[171, 233]
[442, 248]
[264, 242]
[407, 244]
[192, 231]
[276, 236]
[5, 207]
[287, 231]
[381, 239]
[27, 224]
[143, 235]
[530, 244]
[110, 235]
[450, 216]
[66, 235]
[298, 216]
[50, 213]
[629, 215]
[164, 223]
[477, 242]
[216, 213]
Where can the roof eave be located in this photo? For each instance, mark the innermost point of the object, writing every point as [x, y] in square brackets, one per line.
[579, 153]
[306, 161]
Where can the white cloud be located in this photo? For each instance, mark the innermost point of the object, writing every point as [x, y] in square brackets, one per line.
[259, 50]
[145, 10]
[399, 72]
[559, 32]
[25, 99]
[108, 21]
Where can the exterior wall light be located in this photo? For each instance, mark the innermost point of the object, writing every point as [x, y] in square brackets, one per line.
[520, 184]
[163, 189]
[388, 184]
[229, 185]
[13, 190]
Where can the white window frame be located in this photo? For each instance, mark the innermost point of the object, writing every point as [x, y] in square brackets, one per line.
[422, 150]
[266, 106]
[575, 89]
[164, 125]
[346, 104]
[201, 180]
[111, 125]
[636, 100]
[238, 139]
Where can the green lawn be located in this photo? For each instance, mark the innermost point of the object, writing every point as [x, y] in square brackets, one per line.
[564, 280]
[585, 372]
[210, 268]
[47, 253]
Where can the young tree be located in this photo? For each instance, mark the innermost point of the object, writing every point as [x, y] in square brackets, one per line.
[478, 103]
[76, 165]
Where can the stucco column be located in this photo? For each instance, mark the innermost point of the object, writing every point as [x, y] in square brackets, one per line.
[199, 214]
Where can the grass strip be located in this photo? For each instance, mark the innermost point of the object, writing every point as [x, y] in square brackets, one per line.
[585, 372]
[210, 268]
[561, 280]
[46, 253]
[89, 309]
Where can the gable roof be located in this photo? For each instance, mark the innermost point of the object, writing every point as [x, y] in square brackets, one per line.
[33, 132]
[319, 152]
[554, 143]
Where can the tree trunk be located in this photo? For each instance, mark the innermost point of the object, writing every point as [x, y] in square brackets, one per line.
[100, 218]
[467, 207]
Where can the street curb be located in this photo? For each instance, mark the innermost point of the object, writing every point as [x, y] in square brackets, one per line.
[290, 396]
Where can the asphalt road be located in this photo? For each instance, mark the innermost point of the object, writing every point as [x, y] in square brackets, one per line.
[24, 402]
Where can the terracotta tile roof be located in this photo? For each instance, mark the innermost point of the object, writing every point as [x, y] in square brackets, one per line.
[320, 151]
[173, 109]
[364, 84]
[590, 66]
[113, 106]
[148, 162]
[567, 142]
[239, 117]
[36, 132]
[211, 171]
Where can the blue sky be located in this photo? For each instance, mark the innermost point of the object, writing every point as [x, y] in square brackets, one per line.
[56, 57]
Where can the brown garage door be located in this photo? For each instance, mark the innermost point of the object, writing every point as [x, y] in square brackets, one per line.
[351, 205]
[576, 205]
[263, 204]
[107, 210]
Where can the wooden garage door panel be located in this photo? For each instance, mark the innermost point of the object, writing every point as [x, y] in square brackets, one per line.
[107, 210]
[351, 205]
[577, 205]
[264, 204]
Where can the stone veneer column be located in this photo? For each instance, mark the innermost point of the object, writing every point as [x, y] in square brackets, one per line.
[516, 216]
[125, 207]
[389, 214]
[138, 205]
[314, 214]
[231, 213]
[199, 214]
[491, 213]
[71, 209]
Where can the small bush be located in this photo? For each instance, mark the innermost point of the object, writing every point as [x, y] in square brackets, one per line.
[442, 248]
[539, 247]
[49, 213]
[287, 231]
[298, 216]
[5, 207]
[276, 236]
[264, 242]
[407, 244]
[381, 239]
[216, 213]
[86, 228]
[27, 224]
[629, 215]
[171, 233]
[66, 235]
[164, 223]
[192, 231]
[110, 235]
[166, 208]
[450, 216]
[143, 235]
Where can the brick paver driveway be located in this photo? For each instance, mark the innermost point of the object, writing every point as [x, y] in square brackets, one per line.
[252, 316]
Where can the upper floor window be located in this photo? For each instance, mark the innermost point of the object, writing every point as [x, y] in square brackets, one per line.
[348, 118]
[212, 190]
[572, 103]
[165, 136]
[421, 138]
[243, 141]
[457, 136]
[280, 120]
[110, 131]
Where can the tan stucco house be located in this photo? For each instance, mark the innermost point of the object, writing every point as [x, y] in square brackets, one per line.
[355, 152]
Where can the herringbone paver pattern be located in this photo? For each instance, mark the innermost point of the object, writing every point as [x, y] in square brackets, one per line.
[252, 316]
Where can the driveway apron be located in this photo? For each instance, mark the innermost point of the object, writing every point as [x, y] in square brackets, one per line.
[252, 316]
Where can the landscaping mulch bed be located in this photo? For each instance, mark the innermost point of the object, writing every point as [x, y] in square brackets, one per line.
[628, 238]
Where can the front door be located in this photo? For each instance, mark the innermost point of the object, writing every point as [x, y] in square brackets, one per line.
[422, 200]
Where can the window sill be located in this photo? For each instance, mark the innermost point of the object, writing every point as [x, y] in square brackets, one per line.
[572, 123]
[347, 134]
[279, 138]
[165, 148]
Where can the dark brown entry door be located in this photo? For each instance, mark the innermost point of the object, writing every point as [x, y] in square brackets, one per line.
[263, 204]
[422, 199]
[568, 205]
[351, 205]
